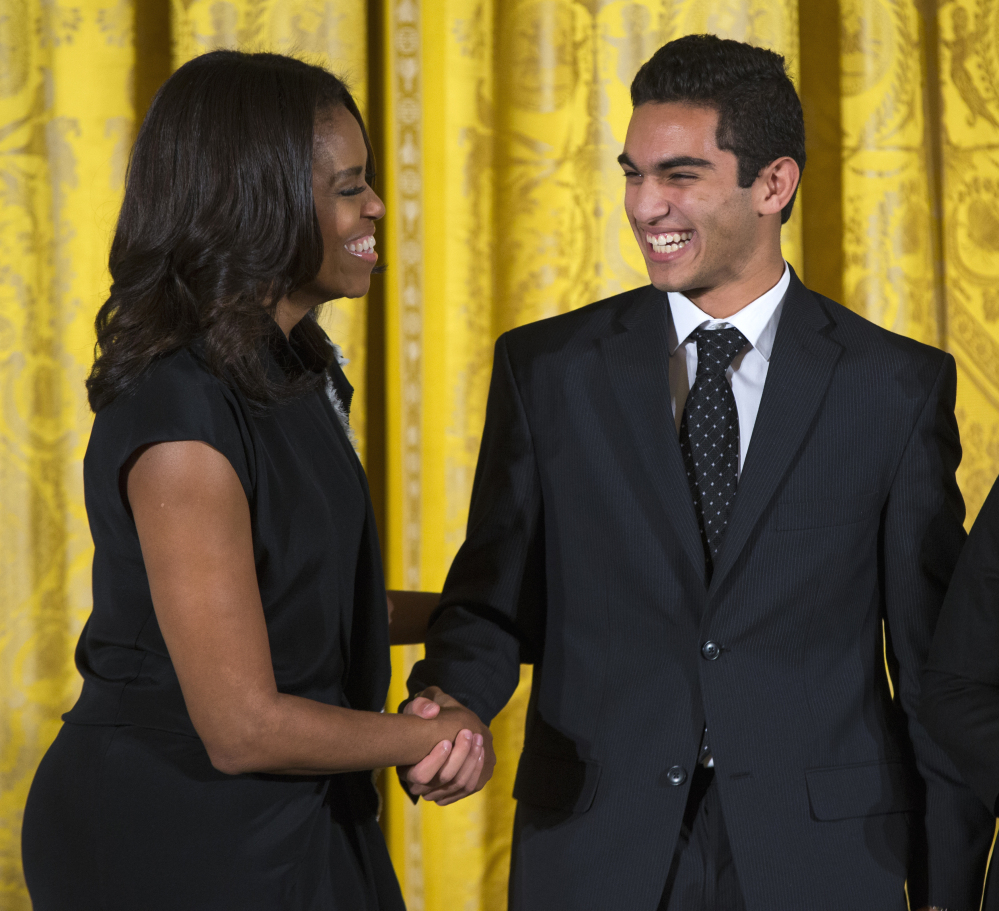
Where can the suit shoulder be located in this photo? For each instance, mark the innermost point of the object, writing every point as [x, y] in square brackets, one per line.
[578, 326]
[868, 339]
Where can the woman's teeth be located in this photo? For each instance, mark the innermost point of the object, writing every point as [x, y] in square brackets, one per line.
[363, 245]
[667, 243]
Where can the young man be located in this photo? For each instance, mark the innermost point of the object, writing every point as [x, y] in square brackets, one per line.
[703, 591]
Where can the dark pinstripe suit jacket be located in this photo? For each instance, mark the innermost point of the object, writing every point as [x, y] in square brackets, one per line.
[583, 558]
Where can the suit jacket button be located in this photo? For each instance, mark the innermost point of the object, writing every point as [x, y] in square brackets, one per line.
[676, 776]
[710, 650]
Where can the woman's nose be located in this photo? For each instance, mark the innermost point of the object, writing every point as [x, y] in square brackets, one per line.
[374, 208]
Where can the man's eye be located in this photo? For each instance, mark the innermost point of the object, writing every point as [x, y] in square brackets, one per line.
[683, 176]
[628, 175]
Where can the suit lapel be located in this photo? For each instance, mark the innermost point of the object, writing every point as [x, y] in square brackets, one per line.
[801, 367]
[637, 361]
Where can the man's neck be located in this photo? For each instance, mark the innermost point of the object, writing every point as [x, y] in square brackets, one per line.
[723, 301]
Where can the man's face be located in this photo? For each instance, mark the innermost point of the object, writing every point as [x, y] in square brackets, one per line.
[683, 190]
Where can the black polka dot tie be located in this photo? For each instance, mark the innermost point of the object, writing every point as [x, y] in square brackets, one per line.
[709, 436]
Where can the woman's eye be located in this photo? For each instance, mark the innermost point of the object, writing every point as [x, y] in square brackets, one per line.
[353, 191]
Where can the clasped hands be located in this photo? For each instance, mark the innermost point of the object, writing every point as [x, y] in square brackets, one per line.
[452, 769]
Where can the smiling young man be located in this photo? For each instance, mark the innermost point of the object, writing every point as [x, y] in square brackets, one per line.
[699, 507]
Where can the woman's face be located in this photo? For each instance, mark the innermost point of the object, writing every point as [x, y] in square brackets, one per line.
[347, 209]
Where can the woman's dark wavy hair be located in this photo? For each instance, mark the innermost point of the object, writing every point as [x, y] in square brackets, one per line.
[759, 113]
[218, 224]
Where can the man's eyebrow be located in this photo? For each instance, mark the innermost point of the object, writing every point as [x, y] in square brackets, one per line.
[683, 161]
[667, 164]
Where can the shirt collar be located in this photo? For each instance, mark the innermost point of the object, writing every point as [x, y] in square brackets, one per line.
[757, 320]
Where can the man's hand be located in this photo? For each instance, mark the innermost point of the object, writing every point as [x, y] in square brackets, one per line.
[449, 774]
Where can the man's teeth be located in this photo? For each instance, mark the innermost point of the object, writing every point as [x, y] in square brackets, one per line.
[362, 245]
[667, 243]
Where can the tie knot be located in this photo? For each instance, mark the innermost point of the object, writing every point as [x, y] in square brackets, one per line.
[716, 348]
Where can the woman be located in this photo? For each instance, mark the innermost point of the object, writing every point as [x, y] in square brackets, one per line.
[236, 660]
[960, 704]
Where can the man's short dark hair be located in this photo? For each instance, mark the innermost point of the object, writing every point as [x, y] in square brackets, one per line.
[759, 113]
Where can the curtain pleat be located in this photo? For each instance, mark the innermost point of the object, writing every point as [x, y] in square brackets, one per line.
[968, 36]
[497, 125]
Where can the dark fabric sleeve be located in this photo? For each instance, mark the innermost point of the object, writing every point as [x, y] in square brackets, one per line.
[961, 683]
[177, 399]
[922, 538]
[492, 608]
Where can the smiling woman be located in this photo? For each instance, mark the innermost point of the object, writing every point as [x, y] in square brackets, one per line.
[236, 660]
[346, 210]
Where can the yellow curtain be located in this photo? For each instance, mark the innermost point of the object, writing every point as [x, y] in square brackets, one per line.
[968, 36]
[497, 124]
[66, 115]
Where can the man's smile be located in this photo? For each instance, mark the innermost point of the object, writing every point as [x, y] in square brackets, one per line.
[667, 246]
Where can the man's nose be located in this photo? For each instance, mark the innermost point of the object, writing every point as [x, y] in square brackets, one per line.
[650, 203]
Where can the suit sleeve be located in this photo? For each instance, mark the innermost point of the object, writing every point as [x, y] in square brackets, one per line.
[922, 538]
[961, 683]
[491, 615]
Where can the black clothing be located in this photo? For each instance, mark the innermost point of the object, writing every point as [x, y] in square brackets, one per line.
[961, 683]
[702, 876]
[584, 557]
[127, 788]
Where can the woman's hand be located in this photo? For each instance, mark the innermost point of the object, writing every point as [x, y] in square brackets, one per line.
[445, 777]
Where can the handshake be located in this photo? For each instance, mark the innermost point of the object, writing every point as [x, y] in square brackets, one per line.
[454, 768]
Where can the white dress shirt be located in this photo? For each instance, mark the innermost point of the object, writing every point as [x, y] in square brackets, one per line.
[748, 371]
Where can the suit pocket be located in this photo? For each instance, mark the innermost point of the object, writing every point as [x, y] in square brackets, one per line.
[826, 513]
[868, 789]
[556, 784]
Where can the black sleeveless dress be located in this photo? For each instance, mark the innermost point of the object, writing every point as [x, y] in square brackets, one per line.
[126, 812]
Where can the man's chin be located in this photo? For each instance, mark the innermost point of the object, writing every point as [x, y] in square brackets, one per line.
[673, 280]
[672, 284]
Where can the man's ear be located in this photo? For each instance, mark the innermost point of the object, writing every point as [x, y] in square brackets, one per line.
[775, 185]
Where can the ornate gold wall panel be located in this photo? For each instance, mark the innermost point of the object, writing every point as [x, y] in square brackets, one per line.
[969, 80]
[330, 34]
[65, 131]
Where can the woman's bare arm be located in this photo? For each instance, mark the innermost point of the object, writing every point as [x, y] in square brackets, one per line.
[193, 523]
[409, 615]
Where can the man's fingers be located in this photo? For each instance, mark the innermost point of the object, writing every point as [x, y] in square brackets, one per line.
[463, 744]
[425, 771]
[464, 781]
[468, 785]
[422, 706]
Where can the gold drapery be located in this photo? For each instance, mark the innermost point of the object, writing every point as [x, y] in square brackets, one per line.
[497, 125]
